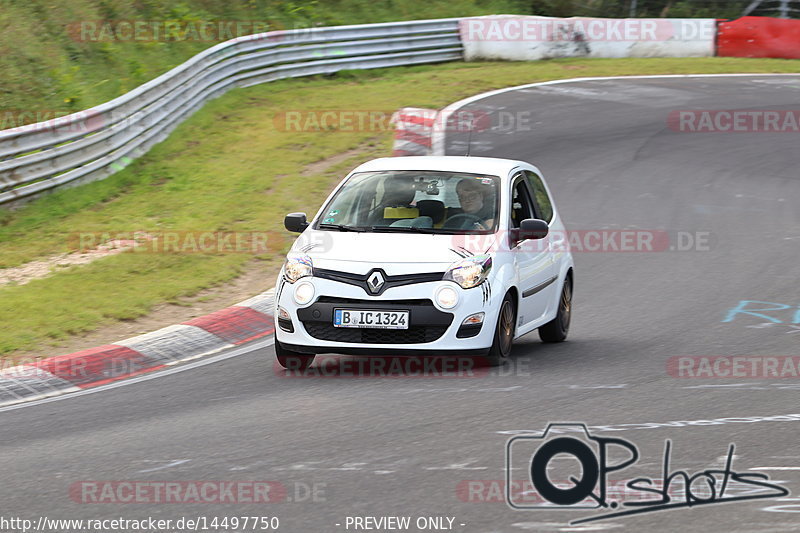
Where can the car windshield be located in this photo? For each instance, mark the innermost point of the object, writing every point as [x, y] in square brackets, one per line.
[414, 202]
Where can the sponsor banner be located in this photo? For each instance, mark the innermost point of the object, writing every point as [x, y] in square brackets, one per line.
[520, 38]
[759, 37]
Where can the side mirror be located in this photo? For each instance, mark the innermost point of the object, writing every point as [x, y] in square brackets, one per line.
[295, 222]
[532, 228]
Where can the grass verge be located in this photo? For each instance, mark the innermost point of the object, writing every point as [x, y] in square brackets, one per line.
[61, 57]
[231, 168]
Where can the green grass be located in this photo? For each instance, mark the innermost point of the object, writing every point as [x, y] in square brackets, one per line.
[229, 168]
[45, 67]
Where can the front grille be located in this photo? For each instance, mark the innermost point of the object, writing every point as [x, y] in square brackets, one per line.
[412, 335]
[426, 323]
[360, 280]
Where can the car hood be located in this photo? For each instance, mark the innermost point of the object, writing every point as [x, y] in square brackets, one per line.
[356, 252]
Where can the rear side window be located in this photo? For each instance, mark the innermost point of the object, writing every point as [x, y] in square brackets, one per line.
[543, 203]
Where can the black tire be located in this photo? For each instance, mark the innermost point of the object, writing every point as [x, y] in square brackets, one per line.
[503, 333]
[292, 360]
[557, 329]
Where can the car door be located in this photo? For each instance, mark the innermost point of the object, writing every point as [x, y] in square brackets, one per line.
[532, 259]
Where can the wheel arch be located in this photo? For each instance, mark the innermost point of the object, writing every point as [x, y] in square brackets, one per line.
[514, 292]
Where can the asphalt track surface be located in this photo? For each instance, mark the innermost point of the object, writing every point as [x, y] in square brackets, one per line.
[403, 446]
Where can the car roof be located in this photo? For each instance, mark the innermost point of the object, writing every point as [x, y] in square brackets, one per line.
[476, 165]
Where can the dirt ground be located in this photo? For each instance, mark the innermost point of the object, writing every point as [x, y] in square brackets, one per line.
[258, 277]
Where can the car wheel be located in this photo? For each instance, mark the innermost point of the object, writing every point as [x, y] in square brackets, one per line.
[292, 360]
[557, 329]
[503, 333]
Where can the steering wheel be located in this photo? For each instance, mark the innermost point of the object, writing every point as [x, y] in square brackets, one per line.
[464, 221]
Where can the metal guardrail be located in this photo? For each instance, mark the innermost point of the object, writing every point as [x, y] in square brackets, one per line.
[92, 144]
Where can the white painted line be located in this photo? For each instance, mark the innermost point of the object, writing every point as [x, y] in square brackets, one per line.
[723, 386]
[241, 350]
[162, 467]
[776, 468]
[674, 424]
[620, 386]
[438, 139]
[458, 466]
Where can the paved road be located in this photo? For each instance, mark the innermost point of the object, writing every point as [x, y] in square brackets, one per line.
[404, 446]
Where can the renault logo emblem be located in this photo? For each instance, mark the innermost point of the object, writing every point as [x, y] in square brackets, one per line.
[375, 282]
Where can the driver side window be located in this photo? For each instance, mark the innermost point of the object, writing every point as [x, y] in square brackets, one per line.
[521, 206]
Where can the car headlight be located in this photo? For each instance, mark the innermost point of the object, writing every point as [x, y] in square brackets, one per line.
[297, 266]
[469, 272]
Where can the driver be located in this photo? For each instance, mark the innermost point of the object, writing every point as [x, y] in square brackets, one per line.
[475, 200]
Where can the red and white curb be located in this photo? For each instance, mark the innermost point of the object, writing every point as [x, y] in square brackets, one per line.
[413, 130]
[199, 337]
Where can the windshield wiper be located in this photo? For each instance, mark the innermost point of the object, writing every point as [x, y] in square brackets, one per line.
[342, 227]
[429, 231]
[404, 229]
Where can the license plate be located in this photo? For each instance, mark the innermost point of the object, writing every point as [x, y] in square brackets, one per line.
[364, 318]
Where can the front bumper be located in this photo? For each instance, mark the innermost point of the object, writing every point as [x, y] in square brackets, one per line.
[432, 330]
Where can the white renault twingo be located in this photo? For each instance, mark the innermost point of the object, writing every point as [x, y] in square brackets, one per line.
[425, 256]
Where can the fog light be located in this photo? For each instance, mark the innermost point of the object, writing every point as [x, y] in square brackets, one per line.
[473, 320]
[447, 297]
[285, 321]
[303, 293]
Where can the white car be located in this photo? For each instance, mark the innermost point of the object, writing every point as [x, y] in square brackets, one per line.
[425, 256]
